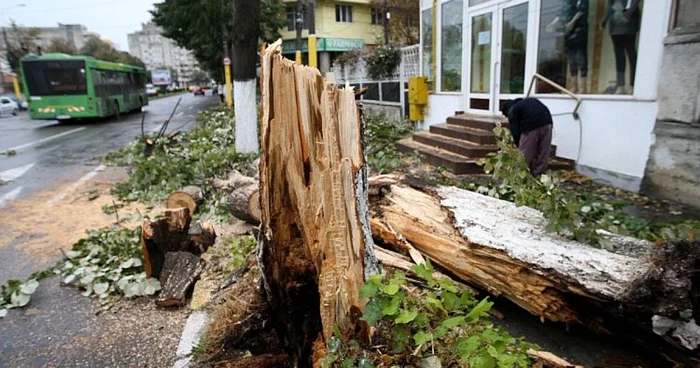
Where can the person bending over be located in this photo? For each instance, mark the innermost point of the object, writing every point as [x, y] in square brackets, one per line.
[531, 126]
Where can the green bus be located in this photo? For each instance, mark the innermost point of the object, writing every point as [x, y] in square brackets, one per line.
[63, 87]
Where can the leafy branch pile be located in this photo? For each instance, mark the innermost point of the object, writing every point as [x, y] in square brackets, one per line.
[414, 323]
[381, 134]
[107, 265]
[192, 158]
[383, 61]
[15, 294]
[576, 214]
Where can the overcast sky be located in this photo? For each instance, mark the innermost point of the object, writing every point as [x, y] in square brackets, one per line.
[112, 19]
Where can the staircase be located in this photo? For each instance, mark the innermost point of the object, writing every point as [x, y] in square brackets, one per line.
[457, 144]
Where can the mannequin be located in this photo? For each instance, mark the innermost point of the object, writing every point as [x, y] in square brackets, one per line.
[624, 19]
[574, 18]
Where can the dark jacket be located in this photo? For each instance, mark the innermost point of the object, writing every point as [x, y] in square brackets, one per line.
[527, 115]
[623, 16]
[579, 34]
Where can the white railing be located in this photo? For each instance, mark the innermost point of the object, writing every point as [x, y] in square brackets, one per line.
[383, 91]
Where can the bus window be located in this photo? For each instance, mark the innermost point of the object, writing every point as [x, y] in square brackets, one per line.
[65, 80]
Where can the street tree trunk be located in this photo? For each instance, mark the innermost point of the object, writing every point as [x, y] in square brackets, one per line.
[246, 23]
[316, 244]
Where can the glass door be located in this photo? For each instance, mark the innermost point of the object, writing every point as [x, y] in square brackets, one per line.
[497, 55]
[482, 60]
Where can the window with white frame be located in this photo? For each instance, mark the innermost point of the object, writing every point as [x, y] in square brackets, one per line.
[589, 46]
[687, 16]
[451, 47]
[343, 13]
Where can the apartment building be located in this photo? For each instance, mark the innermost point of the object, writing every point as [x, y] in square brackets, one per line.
[159, 52]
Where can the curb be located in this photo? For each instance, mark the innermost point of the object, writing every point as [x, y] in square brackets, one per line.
[190, 338]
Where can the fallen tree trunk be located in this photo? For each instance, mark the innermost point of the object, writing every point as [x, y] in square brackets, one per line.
[504, 249]
[315, 241]
[189, 196]
[180, 271]
[244, 203]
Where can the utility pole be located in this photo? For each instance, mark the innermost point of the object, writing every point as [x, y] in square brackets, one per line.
[299, 26]
[228, 92]
[311, 14]
[387, 16]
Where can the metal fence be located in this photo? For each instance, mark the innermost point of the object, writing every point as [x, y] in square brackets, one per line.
[391, 91]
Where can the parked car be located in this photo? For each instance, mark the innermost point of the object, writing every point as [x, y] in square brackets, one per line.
[7, 106]
[21, 103]
[151, 90]
[199, 91]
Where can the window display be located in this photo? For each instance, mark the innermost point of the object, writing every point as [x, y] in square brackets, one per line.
[575, 52]
[451, 46]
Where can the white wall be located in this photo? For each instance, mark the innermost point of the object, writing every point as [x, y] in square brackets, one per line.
[440, 106]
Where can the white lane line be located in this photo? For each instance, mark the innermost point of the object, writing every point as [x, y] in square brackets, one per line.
[17, 148]
[10, 196]
[180, 113]
[13, 174]
[61, 196]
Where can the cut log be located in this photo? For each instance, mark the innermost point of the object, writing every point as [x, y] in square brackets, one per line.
[235, 180]
[189, 196]
[315, 242]
[180, 271]
[244, 203]
[202, 236]
[504, 249]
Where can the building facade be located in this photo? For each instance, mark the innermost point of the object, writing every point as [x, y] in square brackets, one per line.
[341, 26]
[480, 53]
[159, 52]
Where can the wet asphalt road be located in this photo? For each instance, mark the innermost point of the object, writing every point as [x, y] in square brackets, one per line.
[59, 327]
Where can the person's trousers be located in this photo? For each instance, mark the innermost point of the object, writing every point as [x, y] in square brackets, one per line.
[625, 44]
[536, 146]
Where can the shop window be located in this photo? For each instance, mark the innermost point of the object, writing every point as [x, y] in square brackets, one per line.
[451, 78]
[481, 53]
[427, 44]
[687, 15]
[343, 13]
[589, 46]
[477, 2]
[513, 48]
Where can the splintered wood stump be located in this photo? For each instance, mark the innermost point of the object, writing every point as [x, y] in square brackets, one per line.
[504, 249]
[315, 243]
[180, 271]
[168, 234]
[189, 196]
[202, 236]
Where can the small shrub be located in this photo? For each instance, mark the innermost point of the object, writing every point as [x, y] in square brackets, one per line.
[383, 61]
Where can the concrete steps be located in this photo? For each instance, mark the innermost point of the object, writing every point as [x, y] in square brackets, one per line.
[459, 143]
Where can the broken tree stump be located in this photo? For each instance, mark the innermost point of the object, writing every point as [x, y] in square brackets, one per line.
[180, 271]
[189, 196]
[202, 236]
[315, 242]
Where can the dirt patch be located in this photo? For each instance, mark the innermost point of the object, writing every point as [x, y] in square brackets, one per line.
[47, 224]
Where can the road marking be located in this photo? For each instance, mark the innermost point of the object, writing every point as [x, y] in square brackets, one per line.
[17, 148]
[10, 196]
[13, 174]
[180, 113]
[61, 196]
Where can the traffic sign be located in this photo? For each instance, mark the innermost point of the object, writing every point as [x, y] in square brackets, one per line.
[227, 60]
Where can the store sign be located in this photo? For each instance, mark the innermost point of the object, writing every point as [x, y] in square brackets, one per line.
[325, 44]
[160, 77]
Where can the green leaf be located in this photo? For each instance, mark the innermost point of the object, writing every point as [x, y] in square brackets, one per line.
[406, 316]
[451, 301]
[453, 322]
[369, 290]
[465, 347]
[482, 361]
[390, 289]
[393, 307]
[3, 312]
[480, 310]
[424, 270]
[19, 299]
[150, 286]
[100, 288]
[434, 303]
[372, 313]
[447, 284]
[69, 279]
[365, 362]
[421, 337]
[29, 287]
[348, 362]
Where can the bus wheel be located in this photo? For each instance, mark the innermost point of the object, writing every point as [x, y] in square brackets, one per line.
[117, 114]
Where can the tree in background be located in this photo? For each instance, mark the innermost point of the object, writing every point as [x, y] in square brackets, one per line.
[205, 26]
[199, 77]
[20, 41]
[404, 25]
[102, 50]
[61, 46]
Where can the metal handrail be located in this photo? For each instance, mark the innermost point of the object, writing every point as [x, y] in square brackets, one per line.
[557, 86]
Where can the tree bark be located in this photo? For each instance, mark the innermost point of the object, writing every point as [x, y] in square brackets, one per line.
[180, 271]
[246, 20]
[315, 243]
[244, 203]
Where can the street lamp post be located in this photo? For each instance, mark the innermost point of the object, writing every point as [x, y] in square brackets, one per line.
[4, 36]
